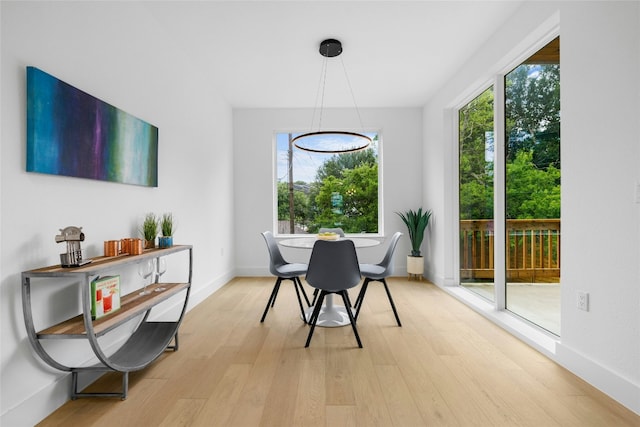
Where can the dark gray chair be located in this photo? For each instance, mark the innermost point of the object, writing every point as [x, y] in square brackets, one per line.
[340, 232]
[378, 273]
[283, 270]
[333, 268]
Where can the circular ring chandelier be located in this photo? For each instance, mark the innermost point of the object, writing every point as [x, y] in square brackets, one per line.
[332, 141]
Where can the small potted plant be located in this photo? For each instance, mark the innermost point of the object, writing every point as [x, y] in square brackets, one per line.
[416, 222]
[150, 230]
[166, 226]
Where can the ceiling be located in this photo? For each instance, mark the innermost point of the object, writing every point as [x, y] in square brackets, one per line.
[264, 54]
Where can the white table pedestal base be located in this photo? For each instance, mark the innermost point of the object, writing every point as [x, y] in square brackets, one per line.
[331, 316]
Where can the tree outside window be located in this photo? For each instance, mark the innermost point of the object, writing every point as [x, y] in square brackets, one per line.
[318, 190]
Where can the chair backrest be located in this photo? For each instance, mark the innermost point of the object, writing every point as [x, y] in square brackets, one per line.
[338, 231]
[275, 257]
[387, 261]
[333, 265]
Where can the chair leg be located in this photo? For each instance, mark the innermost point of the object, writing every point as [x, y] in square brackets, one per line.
[276, 290]
[295, 285]
[315, 297]
[393, 306]
[345, 298]
[349, 305]
[306, 298]
[361, 295]
[314, 317]
[272, 299]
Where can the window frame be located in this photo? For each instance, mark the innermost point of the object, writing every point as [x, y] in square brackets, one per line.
[379, 156]
[496, 78]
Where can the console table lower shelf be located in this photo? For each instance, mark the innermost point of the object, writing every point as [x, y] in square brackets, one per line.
[142, 348]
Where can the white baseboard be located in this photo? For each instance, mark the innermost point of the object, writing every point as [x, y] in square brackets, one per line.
[611, 383]
[39, 405]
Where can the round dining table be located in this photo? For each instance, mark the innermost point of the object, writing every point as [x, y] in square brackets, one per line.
[331, 315]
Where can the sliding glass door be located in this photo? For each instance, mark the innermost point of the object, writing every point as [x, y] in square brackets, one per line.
[532, 183]
[527, 177]
[476, 154]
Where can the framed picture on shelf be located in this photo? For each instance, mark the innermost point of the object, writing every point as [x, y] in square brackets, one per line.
[105, 296]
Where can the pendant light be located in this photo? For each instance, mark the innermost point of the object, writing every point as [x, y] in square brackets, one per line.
[331, 141]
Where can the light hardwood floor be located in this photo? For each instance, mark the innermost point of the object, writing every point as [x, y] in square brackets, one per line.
[446, 366]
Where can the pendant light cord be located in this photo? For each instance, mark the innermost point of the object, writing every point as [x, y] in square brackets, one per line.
[322, 84]
[328, 49]
[320, 93]
[353, 98]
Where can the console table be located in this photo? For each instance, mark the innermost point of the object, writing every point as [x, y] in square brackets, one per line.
[149, 340]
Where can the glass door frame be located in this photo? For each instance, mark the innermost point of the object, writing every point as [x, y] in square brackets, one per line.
[499, 188]
[499, 169]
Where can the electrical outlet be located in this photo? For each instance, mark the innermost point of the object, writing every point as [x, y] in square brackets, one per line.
[583, 301]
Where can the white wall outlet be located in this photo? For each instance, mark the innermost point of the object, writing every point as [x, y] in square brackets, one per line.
[583, 300]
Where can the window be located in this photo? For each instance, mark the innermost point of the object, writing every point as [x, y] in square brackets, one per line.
[509, 197]
[532, 188]
[476, 153]
[317, 190]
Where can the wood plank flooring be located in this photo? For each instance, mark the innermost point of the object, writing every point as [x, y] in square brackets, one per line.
[446, 366]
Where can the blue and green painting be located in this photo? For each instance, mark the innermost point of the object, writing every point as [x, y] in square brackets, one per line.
[72, 133]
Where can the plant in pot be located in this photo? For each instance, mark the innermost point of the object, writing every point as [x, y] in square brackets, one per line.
[416, 222]
[166, 226]
[150, 230]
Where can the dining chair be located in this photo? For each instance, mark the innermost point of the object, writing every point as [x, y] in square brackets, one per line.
[333, 268]
[378, 273]
[283, 270]
[340, 232]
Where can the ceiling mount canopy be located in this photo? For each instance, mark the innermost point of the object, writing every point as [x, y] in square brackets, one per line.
[331, 141]
[330, 48]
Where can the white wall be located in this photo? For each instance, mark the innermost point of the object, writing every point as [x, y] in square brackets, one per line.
[118, 53]
[401, 131]
[600, 65]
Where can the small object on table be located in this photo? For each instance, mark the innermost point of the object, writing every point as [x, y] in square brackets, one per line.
[73, 236]
[328, 236]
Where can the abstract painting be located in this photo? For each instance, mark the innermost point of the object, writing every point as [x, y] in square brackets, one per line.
[72, 133]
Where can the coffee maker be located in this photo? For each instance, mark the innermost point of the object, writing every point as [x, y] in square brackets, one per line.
[73, 236]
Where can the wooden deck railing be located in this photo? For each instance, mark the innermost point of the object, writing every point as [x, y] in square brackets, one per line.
[532, 248]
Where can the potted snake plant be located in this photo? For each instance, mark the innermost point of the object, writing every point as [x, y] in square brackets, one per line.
[417, 223]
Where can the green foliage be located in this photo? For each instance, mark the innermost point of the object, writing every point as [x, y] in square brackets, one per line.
[149, 228]
[351, 178]
[166, 224]
[531, 192]
[476, 173]
[326, 215]
[341, 162]
[532, 111]
[358, 188]
[416, 222]
[532, 151]
[300, 202]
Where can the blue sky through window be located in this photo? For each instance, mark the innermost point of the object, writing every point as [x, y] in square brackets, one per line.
[305, 164]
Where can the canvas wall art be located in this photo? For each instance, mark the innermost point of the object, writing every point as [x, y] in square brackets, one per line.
[72, 133]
